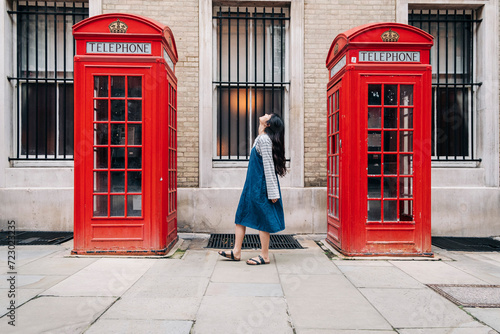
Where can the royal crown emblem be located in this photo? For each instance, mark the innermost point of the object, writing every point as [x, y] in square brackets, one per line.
[118, 27]
[390, 36]
[336, 49]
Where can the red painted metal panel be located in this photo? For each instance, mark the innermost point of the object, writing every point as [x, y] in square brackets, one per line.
[125, 136]
[382, 76]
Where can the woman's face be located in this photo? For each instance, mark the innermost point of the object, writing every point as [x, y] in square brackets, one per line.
[264, 119]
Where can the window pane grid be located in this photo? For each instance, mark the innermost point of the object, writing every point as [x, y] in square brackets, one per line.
[117, 163]
[333, 163]
[44, 78]
[250, 74]
[390, 152]
[452, 58]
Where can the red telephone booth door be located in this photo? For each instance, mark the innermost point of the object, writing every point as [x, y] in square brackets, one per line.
[115, 165]
[334, 164]
[394, 166]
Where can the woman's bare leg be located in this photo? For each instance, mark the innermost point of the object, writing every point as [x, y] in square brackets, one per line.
[238, 240]
[264, 242]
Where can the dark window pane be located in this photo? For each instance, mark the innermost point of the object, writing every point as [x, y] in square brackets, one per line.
[374, 140]
[117, 134]
[390, 141]
[390, 211]
[134, 157]
[374, 211]
[390, 187]
[134, 205]
[100, 110]
[118, 157]
[390, 164]
[101, 86]
[100, 205]
[374, 95]
[134, 110]
[134, 134]
[101, 134]
[117, 182]
[390, 95]
[390, 118]
[101, 182]
[374, 163]
[406, 95]
[134, 86]
[100, 157]
[374, 187]
[374, 118]
[406, 187]
[118, 86]
[406, 118]
[38, 119]
[405, 210]
[66, 119]
[134, 182]
[406, 141]
[118, 110]
[117, 203]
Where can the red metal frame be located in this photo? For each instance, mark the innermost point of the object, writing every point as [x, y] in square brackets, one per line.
[379, 150]
[125, 139]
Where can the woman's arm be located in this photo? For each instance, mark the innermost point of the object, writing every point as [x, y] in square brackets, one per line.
[265, 148]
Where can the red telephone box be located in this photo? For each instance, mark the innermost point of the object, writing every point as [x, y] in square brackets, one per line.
[379, 141]
[125, 136]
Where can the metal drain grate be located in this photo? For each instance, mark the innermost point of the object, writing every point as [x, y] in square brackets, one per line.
[29, 238]
[252, 241]
[469, 295]
[467, 244]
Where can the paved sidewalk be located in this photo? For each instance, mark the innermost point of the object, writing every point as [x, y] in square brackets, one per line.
[197, 291]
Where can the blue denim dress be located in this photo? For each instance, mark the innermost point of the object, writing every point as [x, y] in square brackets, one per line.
[255, 210]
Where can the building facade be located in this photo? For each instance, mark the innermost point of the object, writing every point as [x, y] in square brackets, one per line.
[238, 59]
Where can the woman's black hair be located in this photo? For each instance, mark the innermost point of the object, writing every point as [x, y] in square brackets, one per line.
[276, 132]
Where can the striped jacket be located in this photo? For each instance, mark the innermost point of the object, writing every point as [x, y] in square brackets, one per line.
[264, 147]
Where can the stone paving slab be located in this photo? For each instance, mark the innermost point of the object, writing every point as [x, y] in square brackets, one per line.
[159, 308]
[438, 272]
[229, 314]
[417, 308]
[57, 315]
[244, 289]
[105, 277]
[479, 330]
[379, 277]
[121, 326]
[305, 263]
[335, 313]
[55, 266]
[31, 281]
[22, 296]
[339, 331]
[489, 316]
[166, 286]
[483, 266]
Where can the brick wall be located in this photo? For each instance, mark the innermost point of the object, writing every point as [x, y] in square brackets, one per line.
[182, 18]
[325, 19]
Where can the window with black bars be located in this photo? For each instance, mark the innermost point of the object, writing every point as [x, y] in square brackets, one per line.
[453, 80]
[250, 76]
[44, 77]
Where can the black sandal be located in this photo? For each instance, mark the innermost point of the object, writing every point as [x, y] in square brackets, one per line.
[232, 258]
[257, 262]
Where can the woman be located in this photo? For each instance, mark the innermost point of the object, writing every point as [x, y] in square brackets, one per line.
[260, 204]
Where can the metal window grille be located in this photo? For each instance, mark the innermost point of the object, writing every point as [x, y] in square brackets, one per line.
[44, 77]
[250, 74]
[453, 80]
